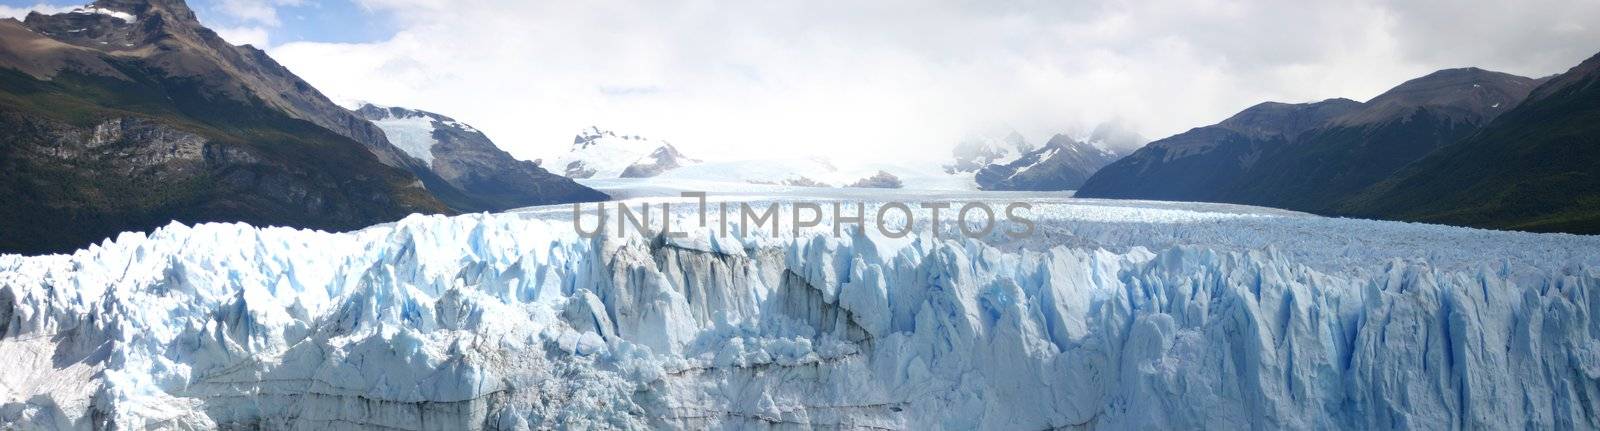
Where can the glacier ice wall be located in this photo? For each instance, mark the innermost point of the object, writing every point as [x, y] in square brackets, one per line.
[512, 322]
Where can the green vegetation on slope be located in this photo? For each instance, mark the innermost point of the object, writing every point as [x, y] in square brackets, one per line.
[1536, 168]
[258, 165]
[1326, 165]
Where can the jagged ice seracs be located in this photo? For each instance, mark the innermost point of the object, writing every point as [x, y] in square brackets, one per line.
[1116, 315]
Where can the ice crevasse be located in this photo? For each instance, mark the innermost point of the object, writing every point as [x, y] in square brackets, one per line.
[510, 322]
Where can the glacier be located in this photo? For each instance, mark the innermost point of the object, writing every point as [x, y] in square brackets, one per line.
[1115, 315]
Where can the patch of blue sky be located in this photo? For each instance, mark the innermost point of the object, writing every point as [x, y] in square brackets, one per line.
[335, 21]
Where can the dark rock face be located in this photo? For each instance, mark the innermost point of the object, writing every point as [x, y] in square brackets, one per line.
[466, 159]
[663, 159]
[1061, 164]
[578, 170]
[70, 185]
[881, 180]
[1310, 156]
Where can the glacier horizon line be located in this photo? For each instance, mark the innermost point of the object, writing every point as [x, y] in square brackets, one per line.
[899, 225]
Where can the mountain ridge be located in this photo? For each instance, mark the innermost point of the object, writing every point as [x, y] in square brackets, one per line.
[1187, 165]
[1308, 156]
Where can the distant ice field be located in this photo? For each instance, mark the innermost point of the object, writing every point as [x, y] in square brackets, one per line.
[1322, 242]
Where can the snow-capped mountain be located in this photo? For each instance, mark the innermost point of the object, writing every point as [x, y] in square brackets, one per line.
[1114, 316]
[466, 158]
[1006, 161]
[1063, 163]
[976, 151]
[598, 153]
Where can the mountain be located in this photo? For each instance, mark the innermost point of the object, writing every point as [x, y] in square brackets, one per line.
[1358, 149]
[976, 151]
[1062, 163]
[164, 38]
[1309, 156]
[664, 158]
[465, 158]
[127, 114]
[1536, 167]
[600, 153]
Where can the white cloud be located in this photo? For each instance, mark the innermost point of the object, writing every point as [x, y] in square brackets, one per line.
[263, 12]
[256, 36]
[22, 12]
[903, 79]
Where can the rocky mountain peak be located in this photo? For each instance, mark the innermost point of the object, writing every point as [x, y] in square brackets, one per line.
[172, 12]
[1467, 94]
[373, 112]
[1062, 163]
[594, 135]
[1067, 142]
[121, 25]
[664, 158]
[167, 39]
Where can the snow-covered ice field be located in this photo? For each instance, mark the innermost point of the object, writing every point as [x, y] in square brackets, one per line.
[1114, 314]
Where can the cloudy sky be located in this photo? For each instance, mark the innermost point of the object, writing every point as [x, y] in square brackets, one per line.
[884, 79]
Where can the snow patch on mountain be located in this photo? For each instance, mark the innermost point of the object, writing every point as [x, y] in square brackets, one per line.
[413, 135]
[411, 130]
[467, 159]
[91, 9]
